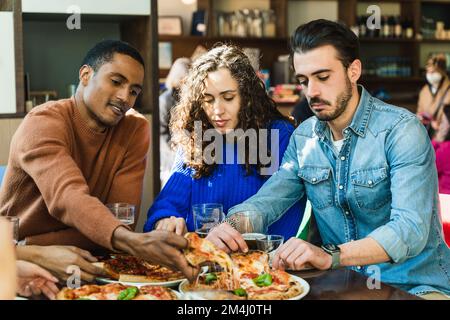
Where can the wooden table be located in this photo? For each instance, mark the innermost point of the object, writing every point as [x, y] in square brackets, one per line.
[345, 284]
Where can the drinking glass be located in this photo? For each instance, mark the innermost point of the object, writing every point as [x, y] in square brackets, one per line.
[14, 222]
[269, 244]
[123, 211]
[251, 224]
[206, 216]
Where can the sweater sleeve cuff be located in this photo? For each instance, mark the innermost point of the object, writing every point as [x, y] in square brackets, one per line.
[107, 242]
[396, 249]
[241, 207]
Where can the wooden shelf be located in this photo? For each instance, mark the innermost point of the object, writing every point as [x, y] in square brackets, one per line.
[391, 79]
[388, 40]
[12, 115]
[438, 41]
[221, 38]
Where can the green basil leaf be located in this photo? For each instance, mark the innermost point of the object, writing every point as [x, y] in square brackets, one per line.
[240, 292]
[263, 280]
[128, 293]
[210, 277]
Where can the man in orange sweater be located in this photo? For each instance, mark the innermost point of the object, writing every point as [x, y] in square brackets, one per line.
[70, 157]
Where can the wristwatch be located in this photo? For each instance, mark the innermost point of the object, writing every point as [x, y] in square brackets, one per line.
[335, 253]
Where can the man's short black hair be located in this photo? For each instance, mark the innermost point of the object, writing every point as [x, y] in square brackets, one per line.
[104, 51]
[321, 32]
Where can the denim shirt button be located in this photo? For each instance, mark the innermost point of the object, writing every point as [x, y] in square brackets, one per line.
[358, 267]
[345, 131]
[342, 158]
[370, 182]
[347, 213]
[314, 179]
[341, 187]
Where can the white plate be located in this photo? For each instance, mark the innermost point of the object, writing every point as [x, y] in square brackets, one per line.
[303, 283]
[172, 283]
[20, 298]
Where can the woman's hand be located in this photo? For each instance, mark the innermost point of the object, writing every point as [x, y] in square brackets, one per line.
[34, 280]
[225, 237]
[172, 224]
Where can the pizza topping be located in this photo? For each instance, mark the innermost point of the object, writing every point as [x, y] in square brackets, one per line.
[128, 294]
[210, 277]
[117, 292]
[133, 269]
[240, 292]
[263, 280]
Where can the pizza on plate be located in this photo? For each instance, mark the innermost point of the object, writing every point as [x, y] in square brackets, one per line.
[200, 251]
[252, 275]
[116, 291]
[127, 268]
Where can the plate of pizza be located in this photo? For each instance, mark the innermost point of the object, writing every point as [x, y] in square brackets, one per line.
[117, 291]
[247, 275]
[133, 271]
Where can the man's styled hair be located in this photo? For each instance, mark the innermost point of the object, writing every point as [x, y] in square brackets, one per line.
[104, 51]
[321, 32]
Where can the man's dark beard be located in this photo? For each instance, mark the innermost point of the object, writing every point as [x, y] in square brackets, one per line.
[341, 103]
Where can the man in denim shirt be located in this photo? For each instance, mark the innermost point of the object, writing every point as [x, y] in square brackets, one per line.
[368, 169]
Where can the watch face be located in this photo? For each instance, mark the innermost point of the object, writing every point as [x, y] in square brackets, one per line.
[331, 247]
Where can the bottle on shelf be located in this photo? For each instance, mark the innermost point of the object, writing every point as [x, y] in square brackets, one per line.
[362, 26]
[397, 27]
[391, 26]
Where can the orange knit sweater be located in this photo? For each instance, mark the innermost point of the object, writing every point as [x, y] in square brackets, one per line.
[60, 174]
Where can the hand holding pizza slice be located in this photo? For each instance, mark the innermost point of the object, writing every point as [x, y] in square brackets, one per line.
[201, 250]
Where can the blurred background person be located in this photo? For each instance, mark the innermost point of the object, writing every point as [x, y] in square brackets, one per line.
[301, 111]
[441, 144]
[167, 100]
[434, 94]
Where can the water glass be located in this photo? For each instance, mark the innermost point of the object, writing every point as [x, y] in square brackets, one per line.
[206, 216]
[123, 211]
[269, 244]
[14, 222]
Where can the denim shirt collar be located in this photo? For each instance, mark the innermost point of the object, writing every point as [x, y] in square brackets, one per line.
[360, 118]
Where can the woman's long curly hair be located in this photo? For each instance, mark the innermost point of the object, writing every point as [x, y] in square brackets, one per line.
[256, 112]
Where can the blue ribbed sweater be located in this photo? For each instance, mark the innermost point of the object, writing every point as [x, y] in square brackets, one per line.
[228, 185]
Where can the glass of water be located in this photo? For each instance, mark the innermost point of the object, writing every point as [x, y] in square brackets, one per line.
[123, 211]
[14, 222]
[206, 216]
[270, 244]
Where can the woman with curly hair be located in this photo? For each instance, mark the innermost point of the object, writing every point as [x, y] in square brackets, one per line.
[222, 94]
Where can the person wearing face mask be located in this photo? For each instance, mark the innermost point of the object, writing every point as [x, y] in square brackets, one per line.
[434, 94]
[441, 144]
[223, 94]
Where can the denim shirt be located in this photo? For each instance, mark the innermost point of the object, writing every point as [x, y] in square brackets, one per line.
[382, 184]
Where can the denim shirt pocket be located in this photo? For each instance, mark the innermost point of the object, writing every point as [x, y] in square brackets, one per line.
[318, 185]
[371, 188]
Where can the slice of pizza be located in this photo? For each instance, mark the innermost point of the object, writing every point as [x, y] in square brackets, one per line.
[116, 291]
[251, 264]
[200, 250]
[155, 293]
[274, 285]
[132, 269]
